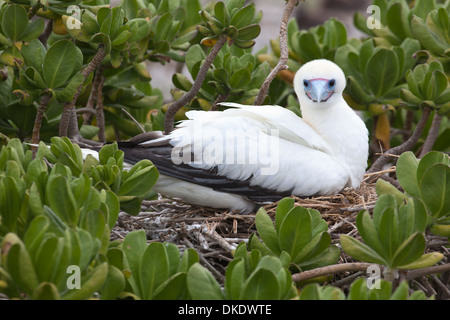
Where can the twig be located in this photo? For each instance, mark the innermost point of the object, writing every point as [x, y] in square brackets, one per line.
[93, 95]
[408, 124]
[68, 116]
[333, 269]
[188, 96]
[427, 271]
[284, 52]
[432, 135]
[213, 270]
[46, 33]
[220, 98]
[133, 119]
[99, 108]
[407, 145]
[45, 100]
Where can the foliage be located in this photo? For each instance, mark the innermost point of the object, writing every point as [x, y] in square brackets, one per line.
[249, 276]
[427, 181]
[153, 271]
[394, 236]
[360, 291]
[299, 237]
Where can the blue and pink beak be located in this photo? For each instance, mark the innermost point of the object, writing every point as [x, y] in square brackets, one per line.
[319, 89]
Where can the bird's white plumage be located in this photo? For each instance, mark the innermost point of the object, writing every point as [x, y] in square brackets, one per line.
[318, 154]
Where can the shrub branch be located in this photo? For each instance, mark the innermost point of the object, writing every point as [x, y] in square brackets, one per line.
[405, 146]
[35, 138]
[68, 116]
[284, 52]
[432, 135]
[188, 96]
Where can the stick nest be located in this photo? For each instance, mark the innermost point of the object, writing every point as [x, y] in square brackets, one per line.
[214, 233]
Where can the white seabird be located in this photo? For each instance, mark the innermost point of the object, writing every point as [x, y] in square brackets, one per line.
[246, 156]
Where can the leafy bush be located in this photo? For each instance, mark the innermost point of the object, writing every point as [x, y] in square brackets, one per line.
[299, 237]
[72, 72]
[360, 291]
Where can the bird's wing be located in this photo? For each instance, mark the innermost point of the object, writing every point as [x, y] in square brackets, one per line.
[159, 150]
[289, 126]
[262, 152]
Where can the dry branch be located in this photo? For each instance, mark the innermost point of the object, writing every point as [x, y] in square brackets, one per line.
[284, 52]
[406, 146]
[188, 96]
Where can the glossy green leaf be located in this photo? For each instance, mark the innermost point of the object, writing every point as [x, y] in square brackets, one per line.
[359, 250]
[234, 278]
[410, 250]
[94, 282]
[14, 21]
[382, 71]
[406, 168]
[19, 263]
[34, 54]
[266, 230]
[202, 285]
[134, 246]
[368, 231]
[154, 269]
[434, 188]
[63, 58]
[261, 285]
[295, 231]
[60, 198]
[172, 289]
[243, 16]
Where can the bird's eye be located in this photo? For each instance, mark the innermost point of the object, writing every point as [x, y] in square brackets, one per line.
[331, 83]
[305, 83]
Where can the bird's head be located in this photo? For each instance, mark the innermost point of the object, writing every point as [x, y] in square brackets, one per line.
[319, 83]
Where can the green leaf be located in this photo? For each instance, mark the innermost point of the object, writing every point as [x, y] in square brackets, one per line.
[60, 198]
[426, 37]
[234, 278]
[310, 49]
[140, 179]
[19, 263]
[94, 282]
[35, 232]
[114, 284]
[261, 285]
[266, 231]
[221, 13]
[406, 168]
[249, 32]
[360, 251]
[284, 206]
[14, 21]
[434, 189]
[63, 58]
[295, 231]
[154, 269]
[425, 261]
[243, 16]
[45, 291]
[398, 20]
[172, 289]
[410, 250]
[34, 29]
[240, 78]
[34, 54]
[202, 285]
[134, 246]
[382, 71]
